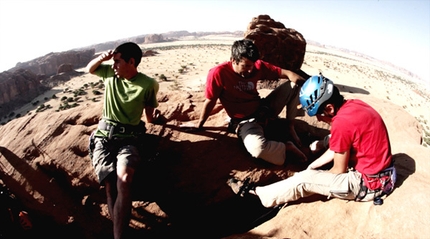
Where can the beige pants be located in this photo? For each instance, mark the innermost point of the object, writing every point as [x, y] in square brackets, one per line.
[309, 182]
[252, 134]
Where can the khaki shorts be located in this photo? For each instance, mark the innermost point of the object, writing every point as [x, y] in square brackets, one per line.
[107, 156]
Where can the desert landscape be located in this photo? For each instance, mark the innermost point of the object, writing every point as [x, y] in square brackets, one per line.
[182, 192]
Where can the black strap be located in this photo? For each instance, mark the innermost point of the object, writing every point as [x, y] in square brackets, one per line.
[118, 128]
[362, 192]
[246, 187]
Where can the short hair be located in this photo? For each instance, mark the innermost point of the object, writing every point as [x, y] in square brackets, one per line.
[336, 99]
[130, 50]
[244, 48]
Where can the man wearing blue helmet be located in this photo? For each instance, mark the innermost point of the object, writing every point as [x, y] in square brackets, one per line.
[359, 149]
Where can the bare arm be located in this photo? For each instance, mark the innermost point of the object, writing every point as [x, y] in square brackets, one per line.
[208, 106]
[324, 159]
[293, 77]
[152, 114]
[95, 63]
[340, 164]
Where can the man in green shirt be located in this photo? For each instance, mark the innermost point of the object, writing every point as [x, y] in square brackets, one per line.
[116, 153]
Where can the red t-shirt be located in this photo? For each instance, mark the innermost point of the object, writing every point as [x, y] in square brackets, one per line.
[357, 127]
[238, 95]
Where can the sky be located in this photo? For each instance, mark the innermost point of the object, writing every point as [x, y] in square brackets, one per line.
[397, 31]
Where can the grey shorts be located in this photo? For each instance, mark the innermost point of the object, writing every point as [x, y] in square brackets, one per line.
[107, 156]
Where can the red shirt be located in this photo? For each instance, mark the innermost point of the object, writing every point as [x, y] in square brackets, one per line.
[357, 127]
[238, 95]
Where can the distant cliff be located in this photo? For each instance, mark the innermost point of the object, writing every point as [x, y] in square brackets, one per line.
[17, 88]
[21, 84]
[48, 64]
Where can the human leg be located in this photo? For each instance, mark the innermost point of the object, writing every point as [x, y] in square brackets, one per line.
[286, 95]
[128, 157]
[292, 150]
[111, 193]
[252, 135]
[304, 184]
[103, 161]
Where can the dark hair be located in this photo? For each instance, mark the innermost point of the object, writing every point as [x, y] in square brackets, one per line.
[130, 50]
[336, 99]
[244, 48]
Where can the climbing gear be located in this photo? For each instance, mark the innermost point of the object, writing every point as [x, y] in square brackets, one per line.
[314, 92]
[115, 128]
[137, 134]
[91, 144]
[239, 187]
[386, 180]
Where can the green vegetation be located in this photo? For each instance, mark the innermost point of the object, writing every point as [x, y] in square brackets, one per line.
[43, 107]
[426, 138]
[96, 92]
[162, 77]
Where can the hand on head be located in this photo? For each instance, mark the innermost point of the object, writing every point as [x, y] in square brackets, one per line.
[107, 55]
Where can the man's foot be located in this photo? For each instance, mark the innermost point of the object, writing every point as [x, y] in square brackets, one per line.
[292, 149]
[241, 188]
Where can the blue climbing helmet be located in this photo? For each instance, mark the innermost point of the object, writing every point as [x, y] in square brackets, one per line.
[314, 92]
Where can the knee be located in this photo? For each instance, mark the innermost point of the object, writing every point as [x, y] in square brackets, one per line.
[125, 175]
[125, 178]
[254, 146]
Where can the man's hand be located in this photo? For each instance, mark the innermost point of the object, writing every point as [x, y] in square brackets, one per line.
[293, 77]
[107, 55]
[316, 146]
[95, 63]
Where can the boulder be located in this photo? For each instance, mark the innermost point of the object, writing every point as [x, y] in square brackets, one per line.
[281, 46]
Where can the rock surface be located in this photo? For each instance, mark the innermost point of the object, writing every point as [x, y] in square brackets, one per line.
[182, 190]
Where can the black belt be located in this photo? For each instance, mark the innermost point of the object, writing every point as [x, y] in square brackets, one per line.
[117, 128]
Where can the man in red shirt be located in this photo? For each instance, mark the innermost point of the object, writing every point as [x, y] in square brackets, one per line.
[234, 83]
[359, 148]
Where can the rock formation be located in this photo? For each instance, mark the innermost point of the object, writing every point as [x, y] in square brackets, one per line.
[181, 190]
[154, 38]
[284, 47]
[17, 88]
[21, 84]
[67, 67]
[48, 64]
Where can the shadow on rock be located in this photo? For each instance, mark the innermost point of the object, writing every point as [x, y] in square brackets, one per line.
[182, 189]
[405, 166]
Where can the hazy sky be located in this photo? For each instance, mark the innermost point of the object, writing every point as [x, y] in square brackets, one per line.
[397, 31]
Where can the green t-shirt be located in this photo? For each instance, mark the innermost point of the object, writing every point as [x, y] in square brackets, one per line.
[124, 100]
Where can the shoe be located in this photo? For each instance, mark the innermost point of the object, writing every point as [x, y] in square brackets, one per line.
[239, 187]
